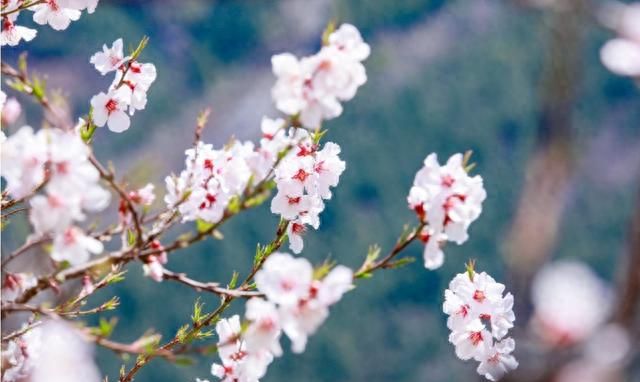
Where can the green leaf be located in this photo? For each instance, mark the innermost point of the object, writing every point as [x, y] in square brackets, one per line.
[330, 28]
[182, 333]
[131, 237]
[203, 226]
[234, 205]
[196, 317]
[234, 280]
[320, 272]
[400, 262]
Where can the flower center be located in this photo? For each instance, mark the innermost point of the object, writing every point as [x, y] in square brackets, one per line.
[295, 200]
[301, 175]
[479, 296]
[475, 338]
[111, 106]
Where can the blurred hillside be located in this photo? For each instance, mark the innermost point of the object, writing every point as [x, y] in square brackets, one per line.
[444, 77]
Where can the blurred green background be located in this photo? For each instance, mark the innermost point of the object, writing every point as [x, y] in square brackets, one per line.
[444, 77]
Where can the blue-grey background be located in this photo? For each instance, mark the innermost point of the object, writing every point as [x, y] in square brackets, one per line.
[444, 76]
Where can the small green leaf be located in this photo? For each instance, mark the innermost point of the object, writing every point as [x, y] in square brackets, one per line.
[400, 262]
[330, 28]
[131, 237]
[203, 226]
[234, 280]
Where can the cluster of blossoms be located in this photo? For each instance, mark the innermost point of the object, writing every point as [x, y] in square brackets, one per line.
[57, 161]
[296, 303]
[128, 91]
[621, 55]
[312, 87]
[304, 178]
[51, 352]
[210, 180]
[479, 319]
[447, 200]
[308, 90]
[57, 13]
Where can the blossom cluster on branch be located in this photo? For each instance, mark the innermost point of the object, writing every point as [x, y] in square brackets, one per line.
[479, 319]
[58, 14]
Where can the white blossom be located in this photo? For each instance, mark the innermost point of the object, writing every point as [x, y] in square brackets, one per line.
[23, 157]
[15, 284]
[12, 33]
[570, 302]
[110, 109]
[447, 200]
[109, 59]
[57, 13]
[621, 55]
[11, 111]
[74, 246]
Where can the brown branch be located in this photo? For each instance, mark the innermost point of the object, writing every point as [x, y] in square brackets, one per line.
[208, 286]
[400, 245]
[24, 248]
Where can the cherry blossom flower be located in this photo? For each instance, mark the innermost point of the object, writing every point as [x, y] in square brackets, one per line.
[110, 109]
[433, 255]
[135, 84]
[284, 279]
[480, 316]
[54, 213]
[12, 33]
[264, 331]
[621, 55]
[570, 302]
[295, 230]
[497, 360]
[11, 111]
[144, 195]
[23, 157]
[471, 341]
[63, 355]
[89, 5]
[447, 200]
[57, 13]
[238, 364]
[304, 178]
[302, 301]
[211, 179]
[328, 167]
[109, 59]
[74, 246]
[15, 284]
[347, 39]
[153, 265]
[21, 355]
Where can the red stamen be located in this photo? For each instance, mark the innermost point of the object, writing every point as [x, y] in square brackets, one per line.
[476, 338]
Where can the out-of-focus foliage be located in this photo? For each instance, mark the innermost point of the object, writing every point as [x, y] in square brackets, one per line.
[478, 91]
